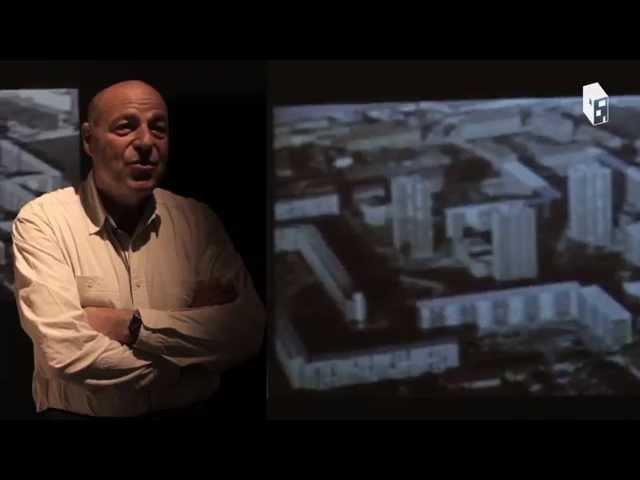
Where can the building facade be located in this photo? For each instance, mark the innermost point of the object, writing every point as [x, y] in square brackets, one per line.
[590, 204]
[307, 207]
[389, 362]
[632, 243]
[530, 306]
[308, 241]
[411, 210]
[607, 320]
[514, 240]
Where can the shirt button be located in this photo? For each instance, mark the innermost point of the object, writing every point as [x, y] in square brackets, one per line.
[137, 284]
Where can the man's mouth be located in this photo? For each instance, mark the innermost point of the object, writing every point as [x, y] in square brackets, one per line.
[144, 163]
[140, 171]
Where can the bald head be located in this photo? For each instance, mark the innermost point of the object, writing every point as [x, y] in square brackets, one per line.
[127, 137]
[118, 93]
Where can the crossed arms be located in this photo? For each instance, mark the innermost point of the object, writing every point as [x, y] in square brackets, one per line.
[90, 345]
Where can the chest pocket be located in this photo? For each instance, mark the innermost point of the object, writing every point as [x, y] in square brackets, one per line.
[93, 292]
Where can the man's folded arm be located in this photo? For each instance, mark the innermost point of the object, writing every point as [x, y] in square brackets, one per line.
[216, 332]
[51, 314]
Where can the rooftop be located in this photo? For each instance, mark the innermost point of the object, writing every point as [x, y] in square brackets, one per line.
[533, 289]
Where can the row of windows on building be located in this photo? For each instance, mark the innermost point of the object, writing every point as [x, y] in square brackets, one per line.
[372, 367]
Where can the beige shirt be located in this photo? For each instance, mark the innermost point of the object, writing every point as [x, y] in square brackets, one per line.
[69, 255]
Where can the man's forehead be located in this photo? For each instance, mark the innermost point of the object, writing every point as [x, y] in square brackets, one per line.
[127, 96]
[131, 98]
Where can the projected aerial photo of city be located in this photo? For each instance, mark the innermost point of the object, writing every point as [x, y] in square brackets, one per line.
[456, 248]
[39, 152]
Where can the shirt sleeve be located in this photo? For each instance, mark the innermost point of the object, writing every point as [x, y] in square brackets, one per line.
[51, 314]
[213, 336]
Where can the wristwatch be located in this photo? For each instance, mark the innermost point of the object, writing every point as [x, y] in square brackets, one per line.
[134, 326]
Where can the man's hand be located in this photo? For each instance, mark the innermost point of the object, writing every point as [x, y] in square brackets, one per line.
[214, 293]
[112, 322]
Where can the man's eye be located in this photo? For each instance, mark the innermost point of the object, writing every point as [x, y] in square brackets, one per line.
[160, 128]
[125, 127]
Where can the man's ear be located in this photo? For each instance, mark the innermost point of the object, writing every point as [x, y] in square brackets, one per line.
[86, 138]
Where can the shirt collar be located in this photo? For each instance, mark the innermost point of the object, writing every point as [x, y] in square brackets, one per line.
[98, 217]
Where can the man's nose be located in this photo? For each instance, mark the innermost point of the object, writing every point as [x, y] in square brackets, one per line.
[143, 140]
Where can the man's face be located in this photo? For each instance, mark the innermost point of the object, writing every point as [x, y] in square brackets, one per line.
[128, 140]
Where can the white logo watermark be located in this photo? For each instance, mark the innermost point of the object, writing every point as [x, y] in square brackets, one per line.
[595, 103]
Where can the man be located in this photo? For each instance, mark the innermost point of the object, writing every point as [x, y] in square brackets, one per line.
[134, 297]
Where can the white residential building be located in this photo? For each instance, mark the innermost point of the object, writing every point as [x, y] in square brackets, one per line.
[307, 207]
[387, 362]
[591, 204]
[495, 310]
[606, 318]
[533, 305]
[412, 216]
[335, 279]
[474, 215]
[551, 125]
[381, 135]
[374, 213]
[517, 172]
[560, 158]
[514, 241]
[488, 123]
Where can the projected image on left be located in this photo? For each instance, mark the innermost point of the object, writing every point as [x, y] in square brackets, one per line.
[39, 152]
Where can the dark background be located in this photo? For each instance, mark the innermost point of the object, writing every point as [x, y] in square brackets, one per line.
[370, 81]
[326, 82]
[217, 155]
